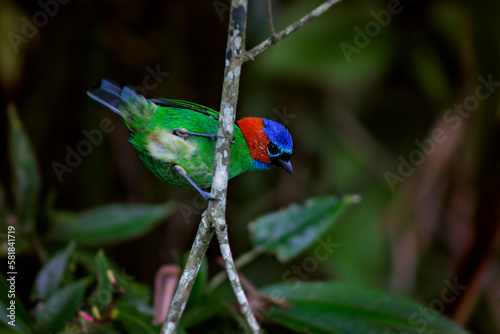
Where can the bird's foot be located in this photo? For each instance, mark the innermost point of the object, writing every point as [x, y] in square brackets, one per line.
[206, 195]
[181, 132]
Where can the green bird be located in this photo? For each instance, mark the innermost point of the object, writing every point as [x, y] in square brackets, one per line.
[176, 139]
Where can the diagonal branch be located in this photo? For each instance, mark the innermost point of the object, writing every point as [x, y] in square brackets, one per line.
[216, 211]
[256, 50]
[214, 218]
[181, 296]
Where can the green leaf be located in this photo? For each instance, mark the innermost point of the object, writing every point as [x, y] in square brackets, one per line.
[110, 224]
[201, 311]
[86, 259]
[181, 330]
[25, 180]
[22, 322]
[290, 231]
[60, 307]
[8, 330]
[200, 282]
[136, 317]
[51, 275]
[103, 295]
[133, 290]
[135, 324]
[341, 308]
[96, 328]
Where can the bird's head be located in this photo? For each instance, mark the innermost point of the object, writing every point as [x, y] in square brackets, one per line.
[269, 142]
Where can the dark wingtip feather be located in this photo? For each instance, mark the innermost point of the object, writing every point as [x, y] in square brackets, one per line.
[107, 93]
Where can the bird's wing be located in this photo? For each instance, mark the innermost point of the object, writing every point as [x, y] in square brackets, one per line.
[187, 105]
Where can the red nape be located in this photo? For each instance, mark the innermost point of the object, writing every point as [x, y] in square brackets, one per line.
[256, 138]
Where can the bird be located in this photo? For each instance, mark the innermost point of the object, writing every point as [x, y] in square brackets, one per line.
[176, 139]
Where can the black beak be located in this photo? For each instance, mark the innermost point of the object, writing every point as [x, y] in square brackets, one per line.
[287, 165]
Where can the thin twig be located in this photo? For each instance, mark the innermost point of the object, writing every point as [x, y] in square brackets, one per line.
[234, 279]
[240, 262]
[200, 245]
[255, 51]
[270, 19]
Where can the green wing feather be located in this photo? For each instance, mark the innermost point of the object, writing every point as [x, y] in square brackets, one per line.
[187, 105]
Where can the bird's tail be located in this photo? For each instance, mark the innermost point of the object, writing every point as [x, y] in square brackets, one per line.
[133, 107]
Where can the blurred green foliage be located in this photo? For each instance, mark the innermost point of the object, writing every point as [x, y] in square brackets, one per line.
[115, 306]
[353, 118]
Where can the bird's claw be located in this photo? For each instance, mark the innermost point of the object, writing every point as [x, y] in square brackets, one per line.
[208, 196]
[181, 132]
[214, 137]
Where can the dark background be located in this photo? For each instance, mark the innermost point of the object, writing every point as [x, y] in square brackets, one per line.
[350, 118]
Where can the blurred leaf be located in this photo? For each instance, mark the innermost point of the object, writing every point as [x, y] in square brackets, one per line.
[200, 282]
[103, 294]
[446, 18]
[11, 66]
[50, 276]
[201, 311]
[337, 307]
[60, 307]
[23, 324]
[133, 290]
[332, 51]
[136, 317]
[290, 231]
[86, 259]
[25, 180]
[430, 73]
[110, 224]
[135, 305]
[8, 330]
[363, 240]
[135, 324]
[96, 328]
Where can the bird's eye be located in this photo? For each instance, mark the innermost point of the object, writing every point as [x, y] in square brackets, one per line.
[273, 149]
